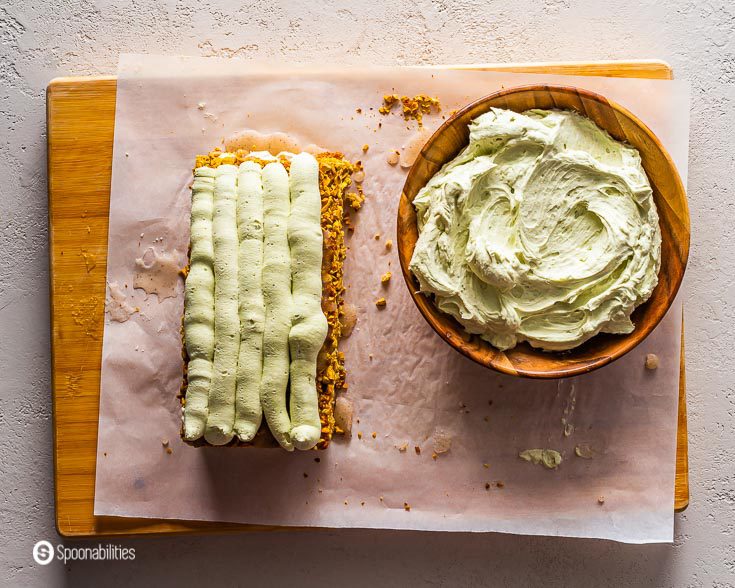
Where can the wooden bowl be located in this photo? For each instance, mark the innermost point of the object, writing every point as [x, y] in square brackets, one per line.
[668, 192]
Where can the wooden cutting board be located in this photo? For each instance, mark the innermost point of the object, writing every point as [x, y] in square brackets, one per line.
[80, 121]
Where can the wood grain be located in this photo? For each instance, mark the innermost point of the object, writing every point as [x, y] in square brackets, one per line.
[668, 192]
[643, 68]
[80, 121]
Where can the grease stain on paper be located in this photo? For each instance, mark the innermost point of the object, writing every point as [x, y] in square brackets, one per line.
[413, 146]
[117, 306]
[274, 143]
[157, 273]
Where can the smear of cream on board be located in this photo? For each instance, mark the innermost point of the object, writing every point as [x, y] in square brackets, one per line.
[275, 143]
[117, 306]
[90, 259]
[549, 458]
[157, 273]
[584, 451]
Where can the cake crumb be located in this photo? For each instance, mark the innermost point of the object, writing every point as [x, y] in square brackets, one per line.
[377, 236]
[358, 110]
[385, 278]
[380, 303]
[393, 157]
[434, 455]
[389, 244]
[359, 434]
[487, 485]
[306, 475]
[651, 361]
[164, 442]
[406, 506]
[362, 503]
[381, 499]
[486, 465]
[600, 500]
[389, 100]
[365, 147]
[417, 449]
[358, 177]
[373, 434]
[169, 450]
[402, 448]
[500, 484]
[412, 107]
[317, 459]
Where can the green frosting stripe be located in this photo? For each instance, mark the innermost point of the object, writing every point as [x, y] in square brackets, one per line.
[221, 416]
[309, 325]
[543, 229]
[248, 412]
[199, 305]
[278, 305]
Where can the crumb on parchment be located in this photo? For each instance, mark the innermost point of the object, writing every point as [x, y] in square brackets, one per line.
[389, 100]
[651, 361]
[385, 278]
[406, 506]
[380, 302]
[389, 244]
[412, 108]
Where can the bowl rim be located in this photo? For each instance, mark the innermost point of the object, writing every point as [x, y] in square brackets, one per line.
[506, 367]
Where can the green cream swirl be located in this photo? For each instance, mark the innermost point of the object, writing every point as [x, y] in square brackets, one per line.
[543, 229]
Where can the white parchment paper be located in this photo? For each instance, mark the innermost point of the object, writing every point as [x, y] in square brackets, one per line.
[404, 381]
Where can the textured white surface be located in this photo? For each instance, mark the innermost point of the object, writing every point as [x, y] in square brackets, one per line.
[44, 39]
